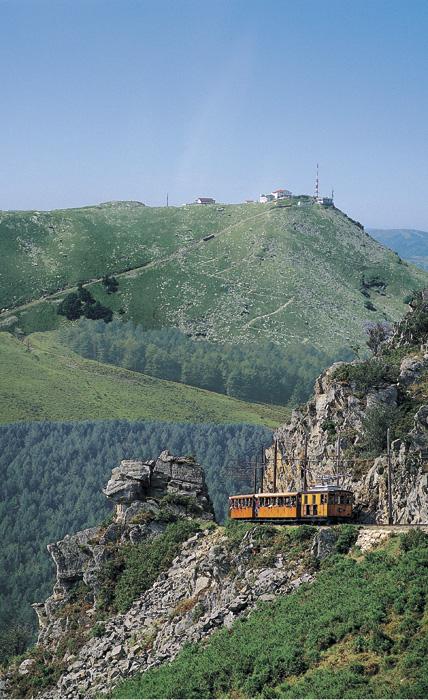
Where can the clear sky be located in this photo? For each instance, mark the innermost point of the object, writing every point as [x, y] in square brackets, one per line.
[130, 99]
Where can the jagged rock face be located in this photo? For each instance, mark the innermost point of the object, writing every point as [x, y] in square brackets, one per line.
[208, 586]
[135, 481]
[146, 495]
[129, 482]
[337, 409]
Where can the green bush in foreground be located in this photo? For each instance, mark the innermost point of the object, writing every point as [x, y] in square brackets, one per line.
[362, 619]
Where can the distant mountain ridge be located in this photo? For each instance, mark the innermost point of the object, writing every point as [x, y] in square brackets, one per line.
[411, 244]
[293, 272]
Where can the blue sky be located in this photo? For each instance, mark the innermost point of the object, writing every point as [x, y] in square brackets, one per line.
[128, 99]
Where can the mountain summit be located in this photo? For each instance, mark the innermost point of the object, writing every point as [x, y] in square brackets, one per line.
[293, 272]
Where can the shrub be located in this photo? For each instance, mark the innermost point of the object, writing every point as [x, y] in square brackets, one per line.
[375, 425]
[98, 629]
[145, 561]
[111, 284]
[347, 536]
[368, 374]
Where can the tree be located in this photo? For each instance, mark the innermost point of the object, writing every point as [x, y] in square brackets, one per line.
[377, 334]
[97, 311]
[71, 307]
[84, 294]
[375, 424]
[111, 284]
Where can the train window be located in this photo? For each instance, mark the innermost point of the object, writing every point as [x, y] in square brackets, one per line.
[293, 501]
[324, 498]
[314, 499]
[305, 499]
[280, 501]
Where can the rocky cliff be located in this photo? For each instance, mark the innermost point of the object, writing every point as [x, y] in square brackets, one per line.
[184, 576]
[352, 406]
[131, 593]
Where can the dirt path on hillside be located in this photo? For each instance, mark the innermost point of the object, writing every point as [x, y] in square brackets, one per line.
[135, 271]
[272, 313]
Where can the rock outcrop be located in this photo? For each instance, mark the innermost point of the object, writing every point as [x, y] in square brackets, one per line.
[211, 581]
[147, 496]
[339, 409]
[208, 586]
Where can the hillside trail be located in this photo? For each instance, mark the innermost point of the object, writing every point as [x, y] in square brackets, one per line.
[272, 313]
[133, 272]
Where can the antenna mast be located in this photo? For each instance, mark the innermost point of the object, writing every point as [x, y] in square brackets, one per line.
[317, 184]
[167, 199]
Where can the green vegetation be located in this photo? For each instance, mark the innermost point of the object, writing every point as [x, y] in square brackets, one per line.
[382, 370]
[359, 631]
[259, 371]
[82, 303]
[43, 380]
[289, 274]
[371, 373]
[52, 475]
[137, 567]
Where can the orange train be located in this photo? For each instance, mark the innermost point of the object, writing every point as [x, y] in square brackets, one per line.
[321, 504]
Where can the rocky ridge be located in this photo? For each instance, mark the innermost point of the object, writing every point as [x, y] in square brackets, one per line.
[209, 583]
[340, 409]
[85, 649]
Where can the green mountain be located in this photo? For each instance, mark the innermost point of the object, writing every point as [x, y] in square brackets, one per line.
[290, 273]
[43, 380]
[409, 243]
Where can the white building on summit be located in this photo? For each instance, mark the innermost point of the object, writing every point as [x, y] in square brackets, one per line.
[281, 194]
[276, 194]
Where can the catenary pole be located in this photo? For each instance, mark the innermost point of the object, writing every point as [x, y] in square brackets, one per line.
[388, 454]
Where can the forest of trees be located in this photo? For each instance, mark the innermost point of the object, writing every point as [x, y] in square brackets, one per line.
[261, 372]
[52, 475]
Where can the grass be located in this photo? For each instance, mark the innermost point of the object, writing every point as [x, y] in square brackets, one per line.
[359, 631]
[289, 274]
[45, 381]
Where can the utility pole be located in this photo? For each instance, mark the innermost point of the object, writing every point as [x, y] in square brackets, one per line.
[337, 459]
[305, 464]
[275, 460]
[255, 476]
[317, 184]
[388, 455]
[263, 469]
[167, 199]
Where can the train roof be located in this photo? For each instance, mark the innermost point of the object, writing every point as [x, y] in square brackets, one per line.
[322, 488]
[263, 495]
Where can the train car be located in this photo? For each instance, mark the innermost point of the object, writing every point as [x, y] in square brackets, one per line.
[316, 505]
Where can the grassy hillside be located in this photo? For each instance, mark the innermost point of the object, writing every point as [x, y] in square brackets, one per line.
[289, 273]
[46, 381]
[409, 243]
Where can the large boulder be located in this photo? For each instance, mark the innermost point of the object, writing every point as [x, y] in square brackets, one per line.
[129, 481]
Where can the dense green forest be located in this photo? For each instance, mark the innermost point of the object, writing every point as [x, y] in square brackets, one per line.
[52, 475]
[358, 631]
[263, 371]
